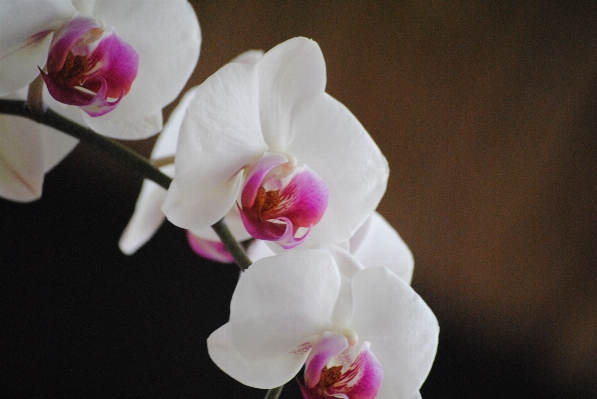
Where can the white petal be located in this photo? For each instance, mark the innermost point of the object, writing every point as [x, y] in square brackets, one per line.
[21, 159]
[288, 73]
[259, 250]
[264, 374]
[376, 243]
[167, 38]
[401, 328]
[331, 141]
[348, 266]
[282, 302]
[219, 136]
[249, 57]
[25, 35]
[123, 126]
[57, 145]
[147, 217]
[165, 146]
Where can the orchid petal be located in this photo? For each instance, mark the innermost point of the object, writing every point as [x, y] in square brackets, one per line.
[25, 36]
[328, 138]
[123, 128]
[403, 331]
[57, 145]
[291, 71]
[249, 57]
[307, 198]
[148, 215]
[376, 243]
[21, 160]
[213, 148]
[258, 249]
[213, 250]
[264, 374]
[27, 151]
[166, 36]
[282, 302]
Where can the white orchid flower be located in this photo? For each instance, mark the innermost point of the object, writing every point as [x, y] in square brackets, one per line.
[110, 65]
[300, 165]
[358, 331]
[148, 216]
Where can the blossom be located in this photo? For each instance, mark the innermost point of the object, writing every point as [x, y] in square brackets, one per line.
[164, 34]
[268, 133]
[308, 307]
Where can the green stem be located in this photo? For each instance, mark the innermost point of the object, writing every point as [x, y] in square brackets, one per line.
[274, 393]
[237, 252]
[119, 152]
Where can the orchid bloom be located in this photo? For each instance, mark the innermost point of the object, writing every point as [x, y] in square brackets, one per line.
[100, 54]
[360, 332]
[267, 139]
[88, 42]
[148, 216]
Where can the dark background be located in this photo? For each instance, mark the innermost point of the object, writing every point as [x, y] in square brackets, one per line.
[487, 114]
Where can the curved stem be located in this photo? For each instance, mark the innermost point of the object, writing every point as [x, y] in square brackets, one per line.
[121, 153]
[274, 393]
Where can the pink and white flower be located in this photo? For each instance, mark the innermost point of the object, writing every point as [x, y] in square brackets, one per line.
[268, 136]
[165, 35]
[87, 66]
[96, 40]
[360, 332]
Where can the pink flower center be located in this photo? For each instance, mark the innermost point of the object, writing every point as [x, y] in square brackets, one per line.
[279, 198]
[89, 67]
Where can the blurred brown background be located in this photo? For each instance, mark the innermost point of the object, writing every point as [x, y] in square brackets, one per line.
[486, 112]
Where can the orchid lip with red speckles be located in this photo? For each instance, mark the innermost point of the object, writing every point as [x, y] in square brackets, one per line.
[278, 198]
[332, 370]
[89, 67]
